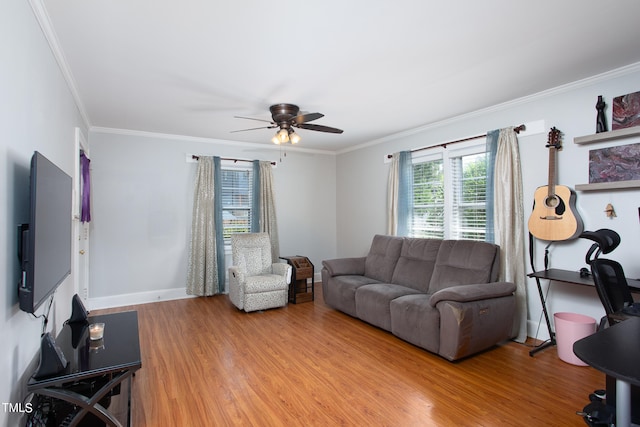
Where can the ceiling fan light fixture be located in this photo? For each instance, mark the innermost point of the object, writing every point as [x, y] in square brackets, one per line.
[287, 116]
[294, 137]
[283, 136]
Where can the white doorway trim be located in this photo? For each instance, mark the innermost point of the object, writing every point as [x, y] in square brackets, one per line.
[80, 229]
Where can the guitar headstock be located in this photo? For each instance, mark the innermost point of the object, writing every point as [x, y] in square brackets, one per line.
[553, 139]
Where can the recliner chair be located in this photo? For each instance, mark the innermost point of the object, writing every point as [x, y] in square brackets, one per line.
[255, 281]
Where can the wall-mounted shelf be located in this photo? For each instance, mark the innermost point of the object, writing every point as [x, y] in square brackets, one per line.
[618, 185]
[607, 136]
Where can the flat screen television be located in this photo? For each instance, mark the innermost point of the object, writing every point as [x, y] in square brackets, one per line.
[44, 244]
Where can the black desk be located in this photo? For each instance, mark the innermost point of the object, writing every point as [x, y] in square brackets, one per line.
[616, 352]
[96, 369]
[570, 277]
[573, 277]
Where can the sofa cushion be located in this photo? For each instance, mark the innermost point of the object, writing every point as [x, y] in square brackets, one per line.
[251, 252]
[372, 302]
[415, 265]
[382, 257]
[414, 320]
[340, 292]
[264, 283]
[464, 262]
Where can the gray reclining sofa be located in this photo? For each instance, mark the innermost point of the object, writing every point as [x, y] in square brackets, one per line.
[441, 295]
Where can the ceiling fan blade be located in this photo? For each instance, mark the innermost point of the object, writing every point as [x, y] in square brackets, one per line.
[304, 118]
[319, 128]
[251, 118]
[262, 127]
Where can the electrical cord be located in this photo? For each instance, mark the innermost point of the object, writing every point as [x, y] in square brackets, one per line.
[45, 316]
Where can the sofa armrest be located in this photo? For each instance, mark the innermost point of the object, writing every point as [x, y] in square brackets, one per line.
[466, 293]
[344, 266]
[236, 274]
[236, 286]
[282, 269]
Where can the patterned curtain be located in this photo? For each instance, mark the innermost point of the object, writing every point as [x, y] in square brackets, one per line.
[267, 208]
[400, 195]
[202, 274]
[505, 216]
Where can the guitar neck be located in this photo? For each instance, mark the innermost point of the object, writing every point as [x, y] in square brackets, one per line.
[552, 170]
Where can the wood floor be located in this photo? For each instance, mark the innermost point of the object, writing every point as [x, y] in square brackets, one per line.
[204, 363]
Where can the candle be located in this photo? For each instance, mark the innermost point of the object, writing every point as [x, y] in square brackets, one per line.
[96, 331]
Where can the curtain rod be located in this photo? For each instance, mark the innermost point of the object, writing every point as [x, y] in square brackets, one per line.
[232, 160]
[444, 144]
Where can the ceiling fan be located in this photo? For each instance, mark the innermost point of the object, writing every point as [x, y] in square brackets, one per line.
[286, 117]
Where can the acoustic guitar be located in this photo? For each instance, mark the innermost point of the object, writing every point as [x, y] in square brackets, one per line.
[554, 215]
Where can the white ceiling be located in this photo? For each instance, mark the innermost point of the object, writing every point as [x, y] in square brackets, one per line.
[373, 67]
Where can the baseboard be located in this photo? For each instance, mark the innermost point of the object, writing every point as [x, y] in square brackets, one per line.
[537, 330]
[148, 297]
[137, 298]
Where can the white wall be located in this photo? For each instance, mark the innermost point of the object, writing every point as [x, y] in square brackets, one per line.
[37, 112]
[362, 179]
[142, 193]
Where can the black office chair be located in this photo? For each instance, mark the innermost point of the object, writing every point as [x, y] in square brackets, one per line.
[605, 241]
[608, 276]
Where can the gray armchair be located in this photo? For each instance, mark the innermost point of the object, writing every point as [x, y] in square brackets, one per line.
[255, 282]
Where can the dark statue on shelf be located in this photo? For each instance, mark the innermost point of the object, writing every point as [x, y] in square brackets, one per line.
[601, 120]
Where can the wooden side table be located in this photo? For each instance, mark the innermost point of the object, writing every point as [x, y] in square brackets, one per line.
[300, 290]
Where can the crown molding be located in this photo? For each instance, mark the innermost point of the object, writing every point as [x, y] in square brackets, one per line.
[254, 145]
[44, 21]
[608, 75]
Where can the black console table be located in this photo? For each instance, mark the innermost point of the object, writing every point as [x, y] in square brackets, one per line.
[570, 277]
[98, 376]
[616, 352]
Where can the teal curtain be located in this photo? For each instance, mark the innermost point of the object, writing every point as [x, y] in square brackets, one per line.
[255, 198]
[405, 193]
[492, 148]
[217, 208]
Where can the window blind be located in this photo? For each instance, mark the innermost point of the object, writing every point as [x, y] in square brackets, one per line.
[236, 201]
[468, 209]
[428, 200]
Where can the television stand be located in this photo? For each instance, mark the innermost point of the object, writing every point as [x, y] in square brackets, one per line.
[95, 387]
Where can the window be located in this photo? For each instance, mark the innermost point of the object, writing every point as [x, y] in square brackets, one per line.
[428, 199]
[236, 201]
[469, 213]
[449, 193]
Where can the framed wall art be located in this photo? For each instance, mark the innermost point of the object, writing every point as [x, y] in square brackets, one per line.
[626, 111]
[614, 164]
